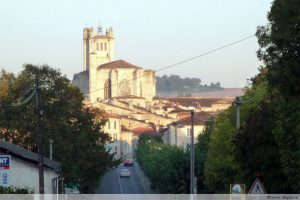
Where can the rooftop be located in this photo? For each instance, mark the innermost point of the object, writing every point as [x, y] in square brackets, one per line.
[199, 119]
[118, 64]
[26, 154]
[128, 97]
[141, 130]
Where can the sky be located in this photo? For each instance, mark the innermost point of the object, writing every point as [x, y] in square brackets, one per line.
[152, 34]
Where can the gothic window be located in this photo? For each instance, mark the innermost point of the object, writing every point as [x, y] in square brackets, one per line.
[107, 89]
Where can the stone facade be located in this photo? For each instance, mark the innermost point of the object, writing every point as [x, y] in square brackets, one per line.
[113, 129]
[105, 78]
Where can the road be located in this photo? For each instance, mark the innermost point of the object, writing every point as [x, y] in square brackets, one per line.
[111, 183]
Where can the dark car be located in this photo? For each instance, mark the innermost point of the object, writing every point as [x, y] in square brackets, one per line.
[128, 163]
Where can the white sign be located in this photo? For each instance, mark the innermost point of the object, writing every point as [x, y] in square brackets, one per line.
[257, 188]
[5, 166]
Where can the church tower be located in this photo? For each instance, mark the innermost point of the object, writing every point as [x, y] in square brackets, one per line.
[100, 45]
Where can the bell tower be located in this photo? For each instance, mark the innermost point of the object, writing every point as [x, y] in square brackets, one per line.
[102, 45]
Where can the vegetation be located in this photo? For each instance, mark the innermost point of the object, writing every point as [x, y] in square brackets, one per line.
[174, 83]
[77, 134]
[15, 190]
[266, 146]
[166, 166]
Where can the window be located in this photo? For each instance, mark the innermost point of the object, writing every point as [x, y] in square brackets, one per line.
[108, 124]
[115, 124]
[97, 46]
[188, 132]
[105, 47]
[115, 137]
[101, 46]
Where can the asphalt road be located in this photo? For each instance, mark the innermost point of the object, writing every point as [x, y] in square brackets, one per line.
[112, 183]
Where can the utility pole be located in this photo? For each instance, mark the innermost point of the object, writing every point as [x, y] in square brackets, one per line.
[176, 126]
[238, 102]
[51, 149]
[192, 159]
[39, 138]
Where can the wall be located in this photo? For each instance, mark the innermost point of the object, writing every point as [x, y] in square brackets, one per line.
[126, 143]
[183, 138]
[111, 129]
[26, 174]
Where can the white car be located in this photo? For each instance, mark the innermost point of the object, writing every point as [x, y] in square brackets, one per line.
[124, 173]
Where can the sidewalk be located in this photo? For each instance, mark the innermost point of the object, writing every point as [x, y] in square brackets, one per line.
[144, 179]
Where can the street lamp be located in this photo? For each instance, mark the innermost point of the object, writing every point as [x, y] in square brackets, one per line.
[192, 159]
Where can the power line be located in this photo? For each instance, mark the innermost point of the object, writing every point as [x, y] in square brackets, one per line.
[184, 61]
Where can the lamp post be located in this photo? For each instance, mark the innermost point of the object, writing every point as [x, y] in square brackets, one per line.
[39, 112]
[51, 149]
[238, 102]
[192, 154]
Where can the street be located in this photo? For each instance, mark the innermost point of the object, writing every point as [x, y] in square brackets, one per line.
[111, 183]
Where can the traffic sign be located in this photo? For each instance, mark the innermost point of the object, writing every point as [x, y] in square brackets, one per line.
[257, 188]
[5, 161]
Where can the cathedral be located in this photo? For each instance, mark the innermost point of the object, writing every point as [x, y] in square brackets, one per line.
[105, 78]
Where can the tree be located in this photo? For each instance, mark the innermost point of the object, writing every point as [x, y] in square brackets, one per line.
[166, 166]
[77, 134]
[220, 168]
[279, 44]
[201, 149]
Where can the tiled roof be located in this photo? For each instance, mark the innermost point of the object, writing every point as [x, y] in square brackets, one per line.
[128, 97]
[202, 102]
[110, 115]
[124, 128]
[118, 64]
[180, 111]
[27, 155]
[141, 130]
[199, 119]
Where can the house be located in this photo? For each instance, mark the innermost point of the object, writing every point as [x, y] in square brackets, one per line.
[126, 142]
[23, 169]
[113, 128]
[179, 132]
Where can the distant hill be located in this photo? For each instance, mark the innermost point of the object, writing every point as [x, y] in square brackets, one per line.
[175, 83]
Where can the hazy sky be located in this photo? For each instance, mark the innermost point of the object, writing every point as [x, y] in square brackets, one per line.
[152, 34]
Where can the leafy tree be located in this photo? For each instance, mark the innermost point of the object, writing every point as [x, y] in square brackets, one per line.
[273, 126]
[220, 168]
[166, 166]
[201, 149]
[77, 134]
[279, 44]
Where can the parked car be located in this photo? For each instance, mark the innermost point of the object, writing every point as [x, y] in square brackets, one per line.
[128, 163]
[124, 173]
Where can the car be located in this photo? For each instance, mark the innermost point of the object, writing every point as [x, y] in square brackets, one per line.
[128, 163]
[124, 173]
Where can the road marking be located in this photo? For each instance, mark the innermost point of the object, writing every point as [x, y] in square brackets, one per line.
[119, 183]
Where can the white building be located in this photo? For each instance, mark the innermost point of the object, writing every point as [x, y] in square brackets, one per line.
[113, 128]
[179, 132]
[24, 171]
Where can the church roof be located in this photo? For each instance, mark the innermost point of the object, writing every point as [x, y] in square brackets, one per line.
[118, 64]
